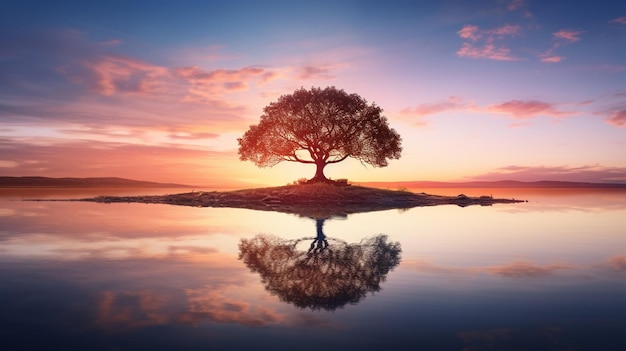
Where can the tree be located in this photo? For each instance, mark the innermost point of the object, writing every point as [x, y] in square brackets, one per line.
[320, 126]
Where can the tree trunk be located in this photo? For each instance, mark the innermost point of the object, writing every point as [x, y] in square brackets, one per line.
[319, 173]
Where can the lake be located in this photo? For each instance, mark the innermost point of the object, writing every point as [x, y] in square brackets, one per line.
[547, 274]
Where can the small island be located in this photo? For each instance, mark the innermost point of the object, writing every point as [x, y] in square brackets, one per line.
[315, 200]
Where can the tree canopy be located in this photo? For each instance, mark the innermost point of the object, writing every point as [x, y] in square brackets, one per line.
[320, 126]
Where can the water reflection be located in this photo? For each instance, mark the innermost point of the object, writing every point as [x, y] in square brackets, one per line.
[87, 276]
[328, 275]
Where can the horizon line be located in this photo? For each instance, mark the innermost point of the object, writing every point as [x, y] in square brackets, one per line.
[40, 181]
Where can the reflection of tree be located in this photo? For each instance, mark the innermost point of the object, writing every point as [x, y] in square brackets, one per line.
[329, 275]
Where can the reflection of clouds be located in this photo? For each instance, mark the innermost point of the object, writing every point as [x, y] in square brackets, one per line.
[217, 306]
[134, 309]
[126, 294]
[525, 270]
[517, 269]
[190, 248]
[83, 221]
[193, 306]
[617, 263]
[130, 309]
[72, 230]
[430, 267]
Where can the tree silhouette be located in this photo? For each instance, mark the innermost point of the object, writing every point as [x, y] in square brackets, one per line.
[320, 126]
[329, 275]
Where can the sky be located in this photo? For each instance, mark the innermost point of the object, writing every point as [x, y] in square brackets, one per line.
[161, 90]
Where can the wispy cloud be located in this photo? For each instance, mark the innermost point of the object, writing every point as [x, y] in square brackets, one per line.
[109, 75]
[487, 44]
[568, 35]
[588, 173]
[451, 104]
[470, 32]
[193, 135]
[8, 164]
[617, 118]
[111, 42]
[549, 57]
[560, 38]
[613, 109]
[212, 84]
[198, 75]
[505, 30]
[524, 109]
[619, 20]
[516, 109]
[515, 5]
[487, 51]
[519, 5]
[314, 72]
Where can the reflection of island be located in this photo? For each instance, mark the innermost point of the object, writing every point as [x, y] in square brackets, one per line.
[327, 275]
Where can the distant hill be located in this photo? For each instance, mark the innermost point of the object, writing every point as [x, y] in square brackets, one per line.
[546, 184]
[109, 182]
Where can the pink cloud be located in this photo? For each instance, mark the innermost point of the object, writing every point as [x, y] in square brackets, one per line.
[453, 103]
[197, 74]
[488, 51]
[552, 58]
[568, 35]
[474, 33]
[111, 42]
[619, 20]
[507, 29]
[519, 5]
[483, 42]
[516, 5]
[193, 135]
[527, 109]
[110, 75]
[617, 118]
[314, 72]
[469, 32]
[564, 36]
[114, 74]
[269, 76]
[207, 85]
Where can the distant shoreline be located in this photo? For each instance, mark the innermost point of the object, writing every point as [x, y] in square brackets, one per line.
[102, 182]
[115, 182]
[502, 184]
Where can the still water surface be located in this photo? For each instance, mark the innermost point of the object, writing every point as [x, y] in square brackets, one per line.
[549, 274]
